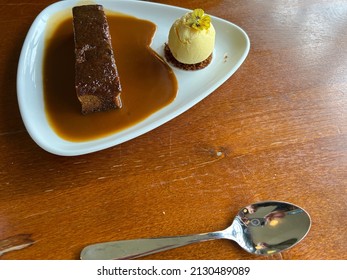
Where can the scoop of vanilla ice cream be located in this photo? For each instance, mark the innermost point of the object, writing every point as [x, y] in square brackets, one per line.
[189, 45]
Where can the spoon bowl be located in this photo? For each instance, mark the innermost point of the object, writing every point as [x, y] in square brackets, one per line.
[262, 228]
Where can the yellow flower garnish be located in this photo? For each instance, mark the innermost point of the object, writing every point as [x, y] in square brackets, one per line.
[199, 20]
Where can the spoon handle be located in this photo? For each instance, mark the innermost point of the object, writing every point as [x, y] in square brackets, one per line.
[135, 248]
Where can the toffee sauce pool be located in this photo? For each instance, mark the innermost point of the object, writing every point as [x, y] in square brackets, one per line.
[148, 83]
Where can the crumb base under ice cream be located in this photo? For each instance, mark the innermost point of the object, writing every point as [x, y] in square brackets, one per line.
[197, 66]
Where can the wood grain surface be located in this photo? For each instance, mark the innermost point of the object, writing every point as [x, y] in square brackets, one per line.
[276, 130]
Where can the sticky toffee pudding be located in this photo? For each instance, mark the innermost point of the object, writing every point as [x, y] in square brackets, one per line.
[148, 83]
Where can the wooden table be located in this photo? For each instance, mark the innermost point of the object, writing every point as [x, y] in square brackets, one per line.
[276, 130]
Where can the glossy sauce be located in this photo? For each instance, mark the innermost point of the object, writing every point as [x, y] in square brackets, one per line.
[148, 83]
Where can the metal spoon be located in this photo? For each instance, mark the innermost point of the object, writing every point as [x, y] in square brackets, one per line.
[262, 228]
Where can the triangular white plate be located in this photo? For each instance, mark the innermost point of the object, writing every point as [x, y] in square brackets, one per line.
[231, 40]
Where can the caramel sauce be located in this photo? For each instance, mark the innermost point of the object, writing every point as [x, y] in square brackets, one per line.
[148, 83]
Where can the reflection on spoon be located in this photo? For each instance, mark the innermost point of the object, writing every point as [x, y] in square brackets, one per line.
[262, 228]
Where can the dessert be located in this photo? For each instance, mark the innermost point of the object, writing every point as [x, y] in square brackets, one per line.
[148, 82]
[97, 82]
[191, 41]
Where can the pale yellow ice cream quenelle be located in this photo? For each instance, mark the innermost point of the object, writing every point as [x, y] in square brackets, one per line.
[191, 41]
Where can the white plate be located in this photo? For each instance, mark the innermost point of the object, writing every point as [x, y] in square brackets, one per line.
[231, 40]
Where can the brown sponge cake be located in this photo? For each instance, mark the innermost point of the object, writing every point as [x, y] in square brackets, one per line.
[97, 82]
